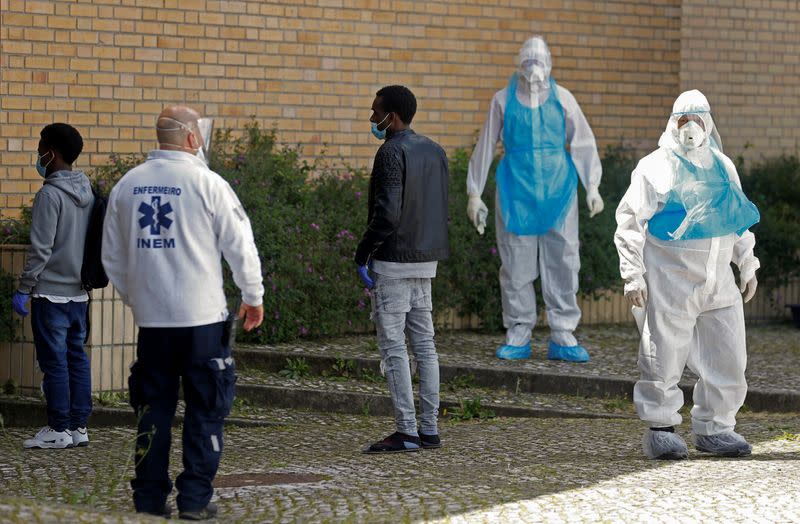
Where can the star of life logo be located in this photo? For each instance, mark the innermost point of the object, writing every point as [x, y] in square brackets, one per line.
[155, 217]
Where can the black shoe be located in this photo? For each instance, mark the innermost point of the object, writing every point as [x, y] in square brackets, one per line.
[165, 513]
[430, 441]
[395, 443]
[207, 513]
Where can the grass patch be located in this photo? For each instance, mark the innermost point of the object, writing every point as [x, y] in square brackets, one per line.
[470, 409]
[295, 368]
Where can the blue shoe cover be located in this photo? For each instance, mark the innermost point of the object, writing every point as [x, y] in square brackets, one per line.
[508, 352]
[569, 353]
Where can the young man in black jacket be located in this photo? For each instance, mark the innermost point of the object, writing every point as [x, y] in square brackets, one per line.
[406, 236]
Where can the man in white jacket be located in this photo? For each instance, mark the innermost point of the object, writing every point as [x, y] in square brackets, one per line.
[168, 224]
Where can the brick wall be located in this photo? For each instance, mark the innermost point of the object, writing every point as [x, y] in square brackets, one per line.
[745, 56]
[311, 68]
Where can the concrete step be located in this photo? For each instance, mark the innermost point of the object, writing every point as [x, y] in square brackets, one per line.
[508, 377]
[350, 395]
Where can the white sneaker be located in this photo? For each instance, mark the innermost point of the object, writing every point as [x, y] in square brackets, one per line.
[80, 437]
[47, 438]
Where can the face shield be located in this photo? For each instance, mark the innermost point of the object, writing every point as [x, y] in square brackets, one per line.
[206, 127]
[698, 133]
[202, 133]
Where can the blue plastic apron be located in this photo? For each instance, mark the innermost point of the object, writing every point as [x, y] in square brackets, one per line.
[536, 178]
[703, 203]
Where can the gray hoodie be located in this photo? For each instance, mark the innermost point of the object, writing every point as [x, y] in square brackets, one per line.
[60, 217]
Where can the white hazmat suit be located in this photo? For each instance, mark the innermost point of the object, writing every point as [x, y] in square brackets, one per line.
[553, 254]
[692, 307]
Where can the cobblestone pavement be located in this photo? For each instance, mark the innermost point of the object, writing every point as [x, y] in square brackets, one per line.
[773, 352]
[503, 470]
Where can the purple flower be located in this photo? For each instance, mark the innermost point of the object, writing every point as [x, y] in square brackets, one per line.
[358, 195]
[493, 250]
[241, 158]
[345, 234]
[277, 315]
[361, 304]
[314, 226]
[309, 269]
[236, 182]
[303, 331]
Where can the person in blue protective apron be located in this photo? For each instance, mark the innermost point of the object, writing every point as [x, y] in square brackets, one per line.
[681, 223]
[536, 203]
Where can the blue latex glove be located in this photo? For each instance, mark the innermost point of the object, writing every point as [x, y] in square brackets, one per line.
[18, 302]
[363, 273]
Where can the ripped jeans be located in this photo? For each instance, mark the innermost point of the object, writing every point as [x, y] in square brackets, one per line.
[198, 358]
[400, 307]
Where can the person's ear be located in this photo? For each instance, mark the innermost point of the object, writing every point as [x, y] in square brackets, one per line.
[193, 141]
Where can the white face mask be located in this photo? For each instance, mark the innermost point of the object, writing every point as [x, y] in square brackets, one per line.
[691, 135]
[533, 72]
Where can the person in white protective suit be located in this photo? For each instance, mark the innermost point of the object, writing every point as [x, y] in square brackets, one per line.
[681, 223]
[536, 202]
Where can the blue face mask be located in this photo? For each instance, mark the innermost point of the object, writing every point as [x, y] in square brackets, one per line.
[380, 134]
[42, 169]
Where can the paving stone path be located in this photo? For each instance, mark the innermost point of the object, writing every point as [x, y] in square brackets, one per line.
[501, 470]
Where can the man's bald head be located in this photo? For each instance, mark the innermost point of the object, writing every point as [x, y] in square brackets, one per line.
[177, 128]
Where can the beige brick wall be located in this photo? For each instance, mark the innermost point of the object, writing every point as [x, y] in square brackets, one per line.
[745, 57]
[311, 68]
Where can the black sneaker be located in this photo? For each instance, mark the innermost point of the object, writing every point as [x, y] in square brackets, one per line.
[207, 513]
[430, 441]
[395, 443]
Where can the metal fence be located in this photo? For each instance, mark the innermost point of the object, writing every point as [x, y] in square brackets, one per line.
[112, 343]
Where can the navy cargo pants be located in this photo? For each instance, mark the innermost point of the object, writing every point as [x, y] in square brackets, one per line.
[200, 357]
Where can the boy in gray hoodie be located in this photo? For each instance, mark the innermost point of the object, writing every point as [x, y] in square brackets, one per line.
[52, 279]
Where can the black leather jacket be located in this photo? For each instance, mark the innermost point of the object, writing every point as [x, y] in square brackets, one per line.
[407, 220]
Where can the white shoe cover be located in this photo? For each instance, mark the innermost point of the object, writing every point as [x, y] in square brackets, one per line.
[664, 445]
[726, 444]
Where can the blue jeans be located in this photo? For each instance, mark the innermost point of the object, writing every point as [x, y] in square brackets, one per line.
[403, 306]
[199, 359]
[58, 333]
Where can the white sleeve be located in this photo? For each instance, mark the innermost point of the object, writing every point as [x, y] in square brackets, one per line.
[637, 206]
[113, 250]
[582, 145]
[235, 236]
[743, 255]
[483, 154]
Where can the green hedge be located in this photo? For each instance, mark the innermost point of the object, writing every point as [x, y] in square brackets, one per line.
[773, 184]
[307, 220]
